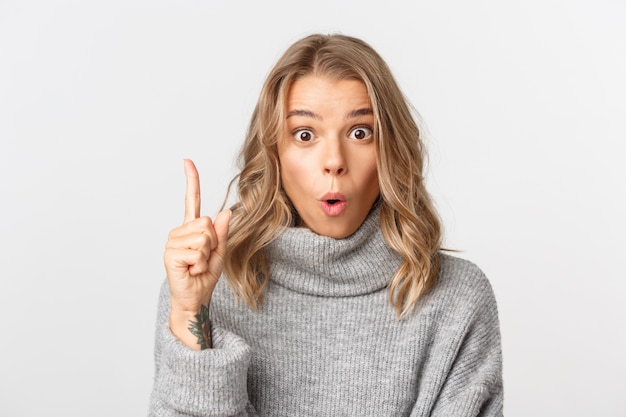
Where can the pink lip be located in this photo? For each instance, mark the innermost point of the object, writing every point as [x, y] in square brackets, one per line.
[333, 204]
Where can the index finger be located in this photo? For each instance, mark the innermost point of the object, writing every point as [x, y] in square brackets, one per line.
[192, 194]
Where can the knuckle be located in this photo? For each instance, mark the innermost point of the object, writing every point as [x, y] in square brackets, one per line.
[197, 256]
[205, 239]
[204, 222]
[201, 267]
[174, 233]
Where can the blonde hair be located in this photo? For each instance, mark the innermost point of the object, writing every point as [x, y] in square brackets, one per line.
[409, 222]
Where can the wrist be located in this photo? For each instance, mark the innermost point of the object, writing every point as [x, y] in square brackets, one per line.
[193, 329]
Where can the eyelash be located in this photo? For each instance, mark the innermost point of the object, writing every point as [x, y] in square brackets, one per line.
[298, 131]
[369, 134]
[370, 131]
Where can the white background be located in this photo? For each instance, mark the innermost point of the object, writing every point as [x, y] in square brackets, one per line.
[524, 103]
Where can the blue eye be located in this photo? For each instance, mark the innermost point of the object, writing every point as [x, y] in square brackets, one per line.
[303, 135]
[361, 133]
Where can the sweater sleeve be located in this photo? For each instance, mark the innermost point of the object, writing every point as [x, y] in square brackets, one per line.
[473, 385]
[210, 382]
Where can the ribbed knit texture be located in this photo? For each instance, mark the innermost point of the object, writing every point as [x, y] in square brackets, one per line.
[326, 341]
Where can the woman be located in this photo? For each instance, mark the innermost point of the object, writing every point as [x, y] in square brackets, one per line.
[336, 298]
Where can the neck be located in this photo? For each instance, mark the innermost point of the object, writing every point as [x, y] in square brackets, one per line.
[309, 263]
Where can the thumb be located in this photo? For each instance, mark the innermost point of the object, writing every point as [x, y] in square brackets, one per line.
[221, 230]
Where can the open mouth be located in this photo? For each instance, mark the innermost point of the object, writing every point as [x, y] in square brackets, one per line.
[333, 206]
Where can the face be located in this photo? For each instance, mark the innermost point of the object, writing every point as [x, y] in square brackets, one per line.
[328, 156]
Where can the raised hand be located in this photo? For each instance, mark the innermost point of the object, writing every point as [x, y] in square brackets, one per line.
[194, 260]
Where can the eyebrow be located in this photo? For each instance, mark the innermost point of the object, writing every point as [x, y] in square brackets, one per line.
[312, 115]
[304, 113]
[359, 112]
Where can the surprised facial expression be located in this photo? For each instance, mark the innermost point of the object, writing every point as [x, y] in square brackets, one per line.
[327, 154]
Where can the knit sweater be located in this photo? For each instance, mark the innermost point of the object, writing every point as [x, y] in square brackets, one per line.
[326, 341]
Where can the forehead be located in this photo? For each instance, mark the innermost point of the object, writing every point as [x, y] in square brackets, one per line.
[313, 91]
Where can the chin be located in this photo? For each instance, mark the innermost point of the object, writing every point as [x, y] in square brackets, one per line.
[337, 232]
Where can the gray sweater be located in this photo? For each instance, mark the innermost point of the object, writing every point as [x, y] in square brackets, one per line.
[326, 341]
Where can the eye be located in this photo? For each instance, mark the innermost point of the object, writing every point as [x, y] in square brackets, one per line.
[361, 133]
[303, 135]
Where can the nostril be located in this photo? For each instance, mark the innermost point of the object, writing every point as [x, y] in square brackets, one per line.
[335, 171]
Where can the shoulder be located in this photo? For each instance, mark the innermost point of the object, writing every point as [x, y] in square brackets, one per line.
[461, 287]
[459, 271]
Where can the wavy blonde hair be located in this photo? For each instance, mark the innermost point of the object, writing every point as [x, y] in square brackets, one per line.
[409, 222]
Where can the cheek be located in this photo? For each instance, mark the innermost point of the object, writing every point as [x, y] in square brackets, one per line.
[283, 161]
[291, 171]
[373, 183]
[369, 170]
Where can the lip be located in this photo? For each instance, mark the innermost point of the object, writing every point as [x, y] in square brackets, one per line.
[333, 204]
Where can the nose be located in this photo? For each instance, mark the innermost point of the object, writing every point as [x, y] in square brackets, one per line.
[334, 160]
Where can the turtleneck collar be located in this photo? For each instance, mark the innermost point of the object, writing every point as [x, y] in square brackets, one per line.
[309, 263]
